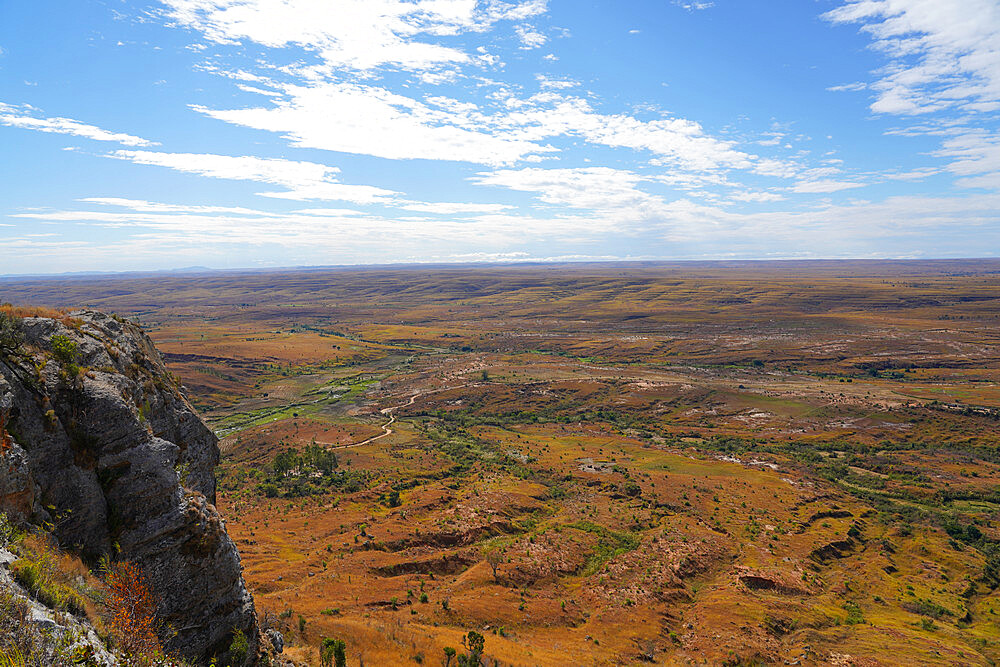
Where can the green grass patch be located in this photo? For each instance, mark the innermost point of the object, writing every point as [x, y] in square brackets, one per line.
[610, 544]
[33, 573]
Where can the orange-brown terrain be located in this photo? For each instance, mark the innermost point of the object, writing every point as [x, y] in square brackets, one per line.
[601, 464]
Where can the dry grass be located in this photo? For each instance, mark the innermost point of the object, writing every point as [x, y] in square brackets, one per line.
[55, 578]
[39, 311]
[689, 462]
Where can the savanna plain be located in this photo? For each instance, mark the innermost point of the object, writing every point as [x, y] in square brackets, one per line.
[600, 464]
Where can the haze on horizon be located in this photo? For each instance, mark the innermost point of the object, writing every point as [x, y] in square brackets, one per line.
[142, 135]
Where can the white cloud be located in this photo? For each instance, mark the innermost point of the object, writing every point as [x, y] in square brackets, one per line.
[304, 180]
[824, 186]
[594, 188]
[694, 6]
[23, 117]
[530, 39]
[555, 84]
[452, 208]
[942, 53]
[328, 232]
[681, 142]
[852, 87]
[752, 196]
[912, 175]
[369, 120]
[356, 34]
[318, 110]
[328, 212]
[154, 207]
[773, 139]
[150, 232]
[975, 156]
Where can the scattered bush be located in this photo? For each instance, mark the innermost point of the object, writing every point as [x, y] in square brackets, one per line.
[131, 610]
[476, 645]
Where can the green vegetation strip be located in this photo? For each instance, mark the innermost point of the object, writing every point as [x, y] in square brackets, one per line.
[241, 421]
[610, 544]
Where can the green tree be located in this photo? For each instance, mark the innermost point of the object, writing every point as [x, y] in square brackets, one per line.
[449, 653]
[476, 644]
[333, 653]
[494, 557]
[284, 462]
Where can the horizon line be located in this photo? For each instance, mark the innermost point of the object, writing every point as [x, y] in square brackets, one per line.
[195, 270]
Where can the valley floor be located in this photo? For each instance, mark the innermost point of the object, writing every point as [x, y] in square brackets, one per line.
[604, 465]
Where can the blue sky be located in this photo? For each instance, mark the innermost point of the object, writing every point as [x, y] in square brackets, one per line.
[255, 133]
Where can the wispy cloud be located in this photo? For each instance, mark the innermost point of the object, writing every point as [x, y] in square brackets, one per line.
[27, 118]
[303, 180]
[144, 206]
[356, 34]
[594, 188]
[824, 186]
[694, 5]
[942, 53]
[852, 87]
[453, 208]
[371, 120]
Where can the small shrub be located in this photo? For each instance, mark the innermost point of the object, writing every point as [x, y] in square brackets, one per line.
[132, 611]
[854, 615]
[239, 648]
[11, 335]
[64, 350]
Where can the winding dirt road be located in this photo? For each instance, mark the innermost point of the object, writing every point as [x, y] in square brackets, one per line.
[385, 427]
[386, 430]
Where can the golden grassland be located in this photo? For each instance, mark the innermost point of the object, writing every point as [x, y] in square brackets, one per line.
[676, 463]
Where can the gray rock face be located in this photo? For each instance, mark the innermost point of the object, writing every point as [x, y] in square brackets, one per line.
[117, 459]
[277, 640]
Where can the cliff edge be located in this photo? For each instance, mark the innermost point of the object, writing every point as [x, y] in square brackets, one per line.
[102, 446]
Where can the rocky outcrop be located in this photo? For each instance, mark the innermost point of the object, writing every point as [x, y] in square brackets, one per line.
[104, 447]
